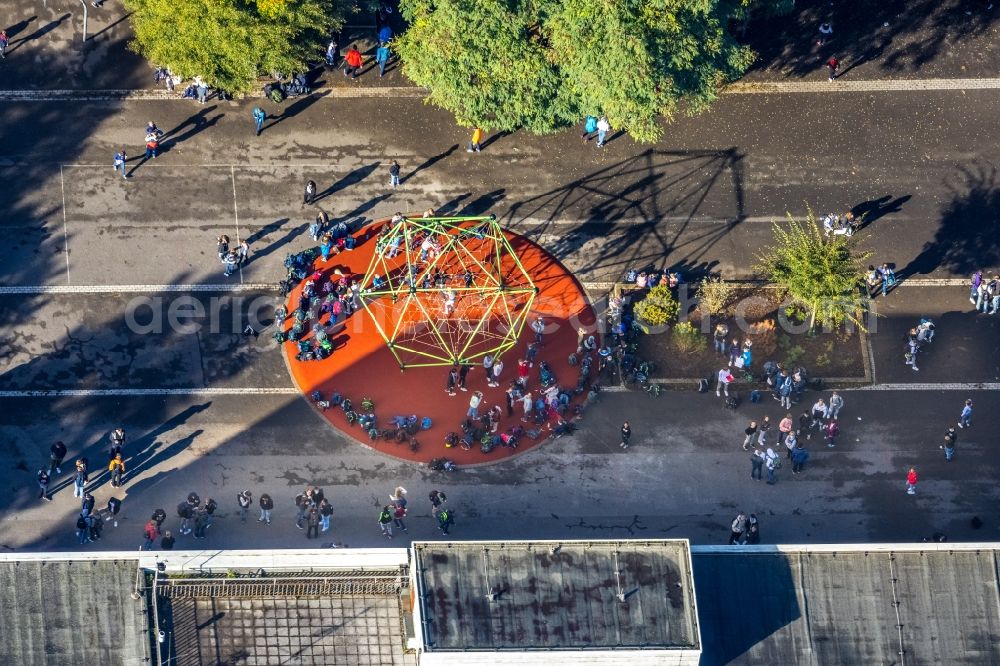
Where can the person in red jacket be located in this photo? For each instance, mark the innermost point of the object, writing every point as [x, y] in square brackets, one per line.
[352, 62]
[833, 64]
[911, 482]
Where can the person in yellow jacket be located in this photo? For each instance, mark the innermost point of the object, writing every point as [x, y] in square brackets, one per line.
[477, 139]
[117, 468]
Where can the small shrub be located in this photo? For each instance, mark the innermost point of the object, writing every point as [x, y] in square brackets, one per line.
[793, 355]
[658, 308]
[796, 313]
[823, 360]
[687, 338]
[715, 296]
[844, 335]
[764, 335]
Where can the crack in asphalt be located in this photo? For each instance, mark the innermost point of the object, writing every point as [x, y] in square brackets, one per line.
[631, 528]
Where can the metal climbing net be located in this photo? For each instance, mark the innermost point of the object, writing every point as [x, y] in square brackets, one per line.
[446, 290]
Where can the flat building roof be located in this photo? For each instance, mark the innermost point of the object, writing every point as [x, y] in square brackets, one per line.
[549, 595]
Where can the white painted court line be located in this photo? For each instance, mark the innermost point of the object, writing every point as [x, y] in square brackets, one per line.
[135, 288]
[944, 386]
[236, 214]
[138, 393]
[62, 187]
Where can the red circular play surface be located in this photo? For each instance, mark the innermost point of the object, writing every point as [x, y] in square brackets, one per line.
[362, 366]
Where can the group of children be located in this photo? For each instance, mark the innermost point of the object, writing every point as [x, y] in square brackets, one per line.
[984, 293]
[882, 278]
[392, 514]
[758, 437]
[232, 258]
[333, 239]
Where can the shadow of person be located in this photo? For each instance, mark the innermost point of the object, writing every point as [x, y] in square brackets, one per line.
[616, 135]
[289, 235]
[135, 448]
[352, 178]
[429, 163]
[41, 32]
[484, 203]
[295, 108]
[496, 136]
[197, 123]
[874, 209]
[155, 454]
[18, 27]
[451, 205]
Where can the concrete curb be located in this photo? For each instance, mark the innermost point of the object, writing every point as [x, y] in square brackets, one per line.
[122, 95]
[738, 88]
[910, 282]
[896, 85]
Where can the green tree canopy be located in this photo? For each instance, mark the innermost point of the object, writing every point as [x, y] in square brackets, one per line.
[229, 43]
[481, 62]
[824, 274]
[543, 64]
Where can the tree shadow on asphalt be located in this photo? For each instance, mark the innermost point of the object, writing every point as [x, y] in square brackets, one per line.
[622, 208]
[904, 35]
[966, 239]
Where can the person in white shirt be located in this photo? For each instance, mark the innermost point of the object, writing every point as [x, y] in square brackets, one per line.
[723, 384]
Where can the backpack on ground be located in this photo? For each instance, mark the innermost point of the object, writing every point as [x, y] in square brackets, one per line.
[733, 400]
[703, 385]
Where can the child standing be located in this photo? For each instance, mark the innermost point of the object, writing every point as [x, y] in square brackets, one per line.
[475, 145]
